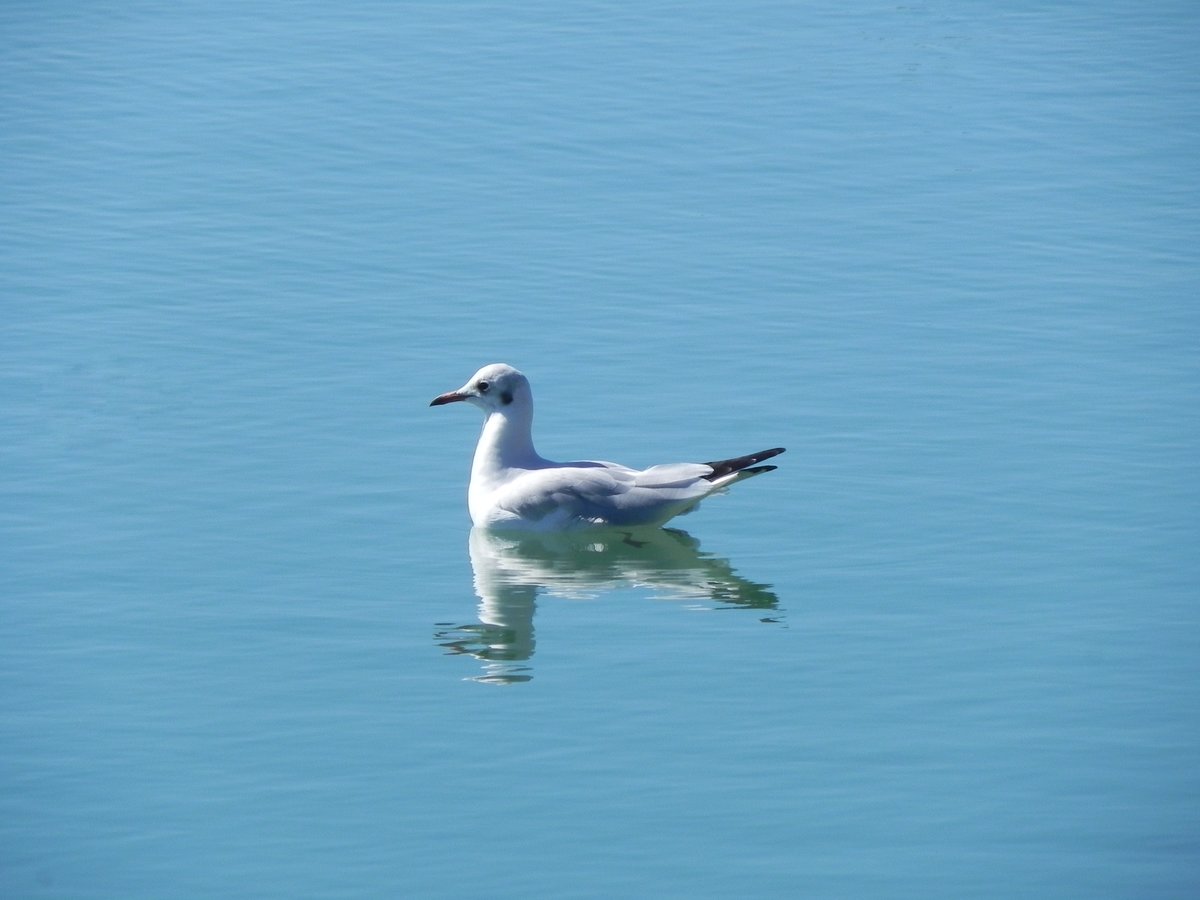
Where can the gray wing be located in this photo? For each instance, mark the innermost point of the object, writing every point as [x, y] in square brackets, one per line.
[607, 493]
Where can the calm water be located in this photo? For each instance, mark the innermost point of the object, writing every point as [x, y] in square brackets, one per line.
[945, 253]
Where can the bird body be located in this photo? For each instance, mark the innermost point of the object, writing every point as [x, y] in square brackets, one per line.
[512, 487]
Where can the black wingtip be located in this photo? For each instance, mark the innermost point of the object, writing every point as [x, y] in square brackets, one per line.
[756, 470]
[722, 467]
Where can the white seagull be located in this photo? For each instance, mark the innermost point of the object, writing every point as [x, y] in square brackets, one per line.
[512, 487]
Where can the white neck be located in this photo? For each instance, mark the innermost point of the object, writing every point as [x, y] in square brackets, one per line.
[506, 442]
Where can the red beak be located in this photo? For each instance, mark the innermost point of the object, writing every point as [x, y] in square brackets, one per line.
[451, 397]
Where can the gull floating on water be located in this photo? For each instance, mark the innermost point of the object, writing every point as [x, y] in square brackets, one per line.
[513, 487]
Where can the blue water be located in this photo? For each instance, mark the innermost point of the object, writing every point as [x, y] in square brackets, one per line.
[945, 253]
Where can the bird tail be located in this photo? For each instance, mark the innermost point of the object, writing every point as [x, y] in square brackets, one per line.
[742, 466]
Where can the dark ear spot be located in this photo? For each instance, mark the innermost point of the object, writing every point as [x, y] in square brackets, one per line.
[506, 398]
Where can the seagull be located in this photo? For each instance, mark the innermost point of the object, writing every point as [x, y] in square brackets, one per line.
[512, 487]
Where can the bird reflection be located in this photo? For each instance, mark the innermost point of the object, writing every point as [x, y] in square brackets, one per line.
[511, 569]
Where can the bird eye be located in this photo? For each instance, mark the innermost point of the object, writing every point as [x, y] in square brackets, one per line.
[483, 386]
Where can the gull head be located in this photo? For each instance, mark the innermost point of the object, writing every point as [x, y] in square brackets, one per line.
[494, 388]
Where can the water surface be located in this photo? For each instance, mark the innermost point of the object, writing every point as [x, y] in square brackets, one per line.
[249, 645]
